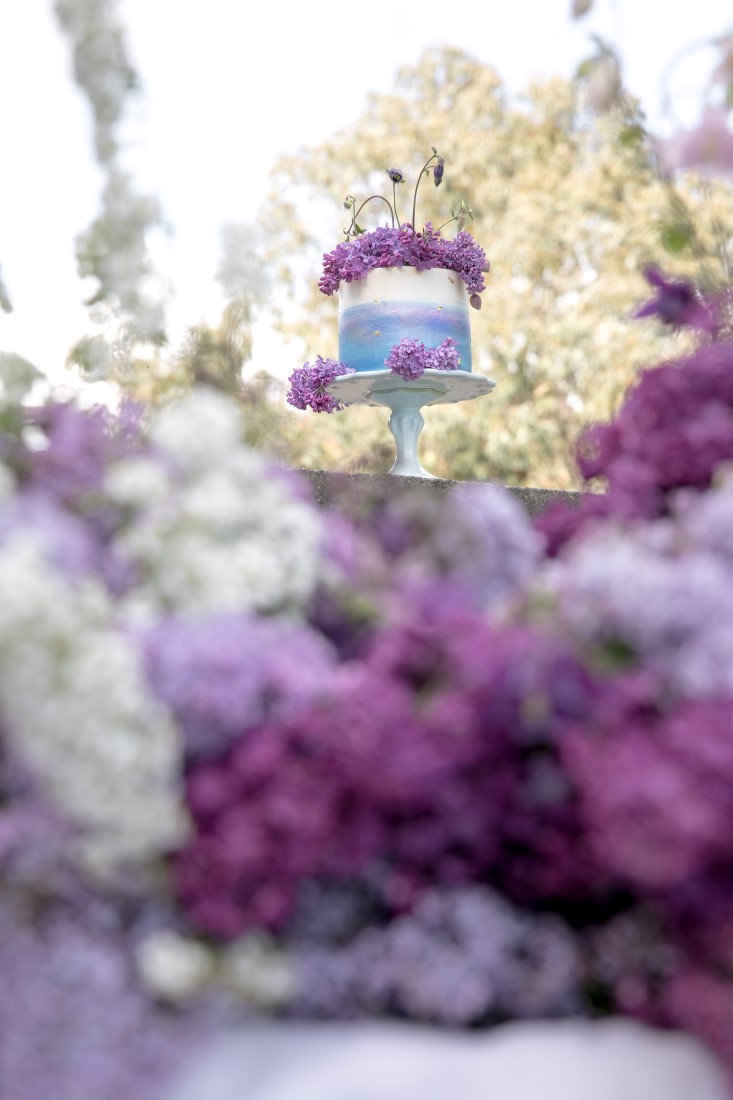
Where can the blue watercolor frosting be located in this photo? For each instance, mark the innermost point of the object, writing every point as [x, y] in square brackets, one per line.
[368, 332]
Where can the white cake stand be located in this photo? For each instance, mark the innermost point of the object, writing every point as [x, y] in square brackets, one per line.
[405, 399]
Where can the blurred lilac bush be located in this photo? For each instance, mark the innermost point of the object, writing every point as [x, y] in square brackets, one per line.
[417, 758]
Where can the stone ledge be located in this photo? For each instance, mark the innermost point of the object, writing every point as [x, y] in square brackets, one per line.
[331, 489]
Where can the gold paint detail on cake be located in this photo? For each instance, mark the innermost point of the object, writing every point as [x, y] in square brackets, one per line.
[377, 332]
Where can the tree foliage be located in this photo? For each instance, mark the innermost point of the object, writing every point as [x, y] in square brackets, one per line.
[113, 249]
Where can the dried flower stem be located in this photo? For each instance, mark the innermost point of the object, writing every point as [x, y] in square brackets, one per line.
[423, 171]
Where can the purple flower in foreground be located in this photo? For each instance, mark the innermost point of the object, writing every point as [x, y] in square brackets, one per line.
[461, 955]
[80, 446]
[438, 172]
[72, 1024]
[656, 791]
[396, 176]
[308, 385]
[409, 359]
[229, 673]
[673, 431]
[676, 303]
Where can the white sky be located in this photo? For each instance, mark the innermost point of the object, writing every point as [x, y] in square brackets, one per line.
[229, 85]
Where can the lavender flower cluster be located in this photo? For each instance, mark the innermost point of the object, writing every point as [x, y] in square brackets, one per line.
[410, 358]
[462, 956]
[308, 385]
[404, 247]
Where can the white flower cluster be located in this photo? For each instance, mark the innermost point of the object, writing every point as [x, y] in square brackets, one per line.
[175, 968]
[79, 713]
[221, 535]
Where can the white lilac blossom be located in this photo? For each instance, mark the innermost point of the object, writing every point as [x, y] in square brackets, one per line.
[137, 481]
[197, 432]
[78, 712]
[259, 971]
[226, 536]
[173, 967]
[176, 968]
[706, 520]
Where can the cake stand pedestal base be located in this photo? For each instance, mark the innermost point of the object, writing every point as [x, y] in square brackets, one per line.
[405, 399]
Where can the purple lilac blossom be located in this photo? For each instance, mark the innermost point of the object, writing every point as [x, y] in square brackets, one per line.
[628, 958]
[657, 791]
[69, 542]
[332, 911]
[673, 431]
[408, 359]
[461, 957]
[72, 1024]
[387, 247]
[380, 770]
[532, 690]
[705, 520]
[61, 486]
[508, 697]
[308, 385]
[271, 813]
[80, 445]
[677, 302]
[226, 674]
[685, 632]
[700, 916]
[444, 356]
[478, 538]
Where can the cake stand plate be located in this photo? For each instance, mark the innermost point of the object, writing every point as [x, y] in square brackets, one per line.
[405, 399]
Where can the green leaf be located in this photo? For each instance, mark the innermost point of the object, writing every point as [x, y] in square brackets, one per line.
[585, 68]
[675, 238]
[619, 653]
[632, 135]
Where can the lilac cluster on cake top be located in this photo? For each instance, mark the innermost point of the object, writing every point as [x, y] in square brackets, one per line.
[402, 245]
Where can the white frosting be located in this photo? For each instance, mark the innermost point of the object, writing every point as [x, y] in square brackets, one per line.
[392, 284]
